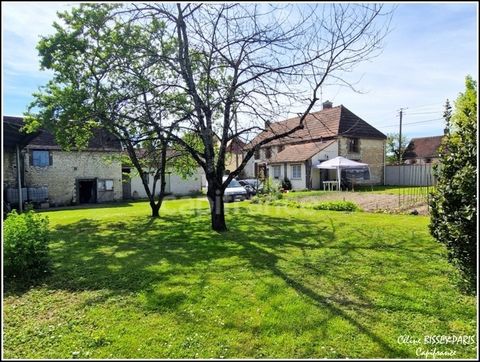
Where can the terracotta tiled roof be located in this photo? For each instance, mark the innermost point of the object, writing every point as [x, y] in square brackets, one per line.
[101, 139]
[235, 146]
[424, 147]
[299, 152]
[327, 123]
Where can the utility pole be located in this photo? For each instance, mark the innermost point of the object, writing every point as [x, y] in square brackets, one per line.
[400, 137]
[235, 139]
[400, 156]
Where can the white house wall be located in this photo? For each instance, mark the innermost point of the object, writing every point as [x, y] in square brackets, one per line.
[326, 154]
[297, 184]
[174, 184]
[300, 184]
[249, 169]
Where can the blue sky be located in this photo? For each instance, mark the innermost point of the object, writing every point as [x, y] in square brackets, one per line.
[430, 50]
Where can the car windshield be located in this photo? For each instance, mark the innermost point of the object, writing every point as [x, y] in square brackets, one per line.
[234, 183]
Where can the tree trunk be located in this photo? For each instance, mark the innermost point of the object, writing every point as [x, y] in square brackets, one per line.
[155, 208]
[217, 208]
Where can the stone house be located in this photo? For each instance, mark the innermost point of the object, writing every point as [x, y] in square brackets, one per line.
[423, 150]
[51, 174]
[331, 132]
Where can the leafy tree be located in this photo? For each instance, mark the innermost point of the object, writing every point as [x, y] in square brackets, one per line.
[454, 202]
[158, 71]
[104, 79]
[392, 150]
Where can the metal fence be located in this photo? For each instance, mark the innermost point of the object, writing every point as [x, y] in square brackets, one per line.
[415, 184]
[410, 175]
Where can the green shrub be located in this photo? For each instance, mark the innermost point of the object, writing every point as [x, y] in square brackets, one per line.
[336, 206]
[454, 202]
[286, 184]
[271, 187]
[25, 245]
[256, 199]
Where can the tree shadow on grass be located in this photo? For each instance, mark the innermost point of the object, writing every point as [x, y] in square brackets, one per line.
[134, 255]
[107, 205]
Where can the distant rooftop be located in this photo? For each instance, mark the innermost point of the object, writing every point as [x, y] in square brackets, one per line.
[101, 140]
[327, 123]
[423, 147]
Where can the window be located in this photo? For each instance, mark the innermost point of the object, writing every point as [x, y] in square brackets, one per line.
[105, 185]
[296, 171]
[268, 152]
[40, 158]
[108, 185]
[257, 154]
[353, 145]
[276, 172]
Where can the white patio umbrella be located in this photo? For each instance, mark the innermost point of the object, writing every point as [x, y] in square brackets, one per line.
[340, 163]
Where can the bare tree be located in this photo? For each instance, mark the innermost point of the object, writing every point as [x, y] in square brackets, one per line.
[256, 62]
[170, 71]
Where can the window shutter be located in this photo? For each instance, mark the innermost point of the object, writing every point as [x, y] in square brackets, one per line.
[50, 158]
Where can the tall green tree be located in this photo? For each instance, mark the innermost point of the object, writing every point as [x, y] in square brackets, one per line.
[104, 79]
[393, 152]
[454, 202]
[158, 71]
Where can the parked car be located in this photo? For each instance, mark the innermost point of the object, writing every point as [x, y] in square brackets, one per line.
[250, 189]
[235, 191]
[255, 184]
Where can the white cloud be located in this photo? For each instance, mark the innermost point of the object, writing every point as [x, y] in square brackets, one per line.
[22, 26]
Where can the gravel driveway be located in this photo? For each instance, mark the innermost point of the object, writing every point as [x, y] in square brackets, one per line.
[371, 201]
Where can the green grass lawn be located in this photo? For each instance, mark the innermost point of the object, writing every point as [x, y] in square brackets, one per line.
[281, 283]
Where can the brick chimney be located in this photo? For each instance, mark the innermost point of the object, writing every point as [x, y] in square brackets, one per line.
[327, 105]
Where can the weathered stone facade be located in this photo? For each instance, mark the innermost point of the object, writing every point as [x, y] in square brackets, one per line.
[67, 168]
[355, 140]
[9, 169]
[371, 151]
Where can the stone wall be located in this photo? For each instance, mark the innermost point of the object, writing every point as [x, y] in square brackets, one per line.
[371, 152]
[67, 167]
[9, 169]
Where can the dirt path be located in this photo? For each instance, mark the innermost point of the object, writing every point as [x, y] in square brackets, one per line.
[372, 202]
